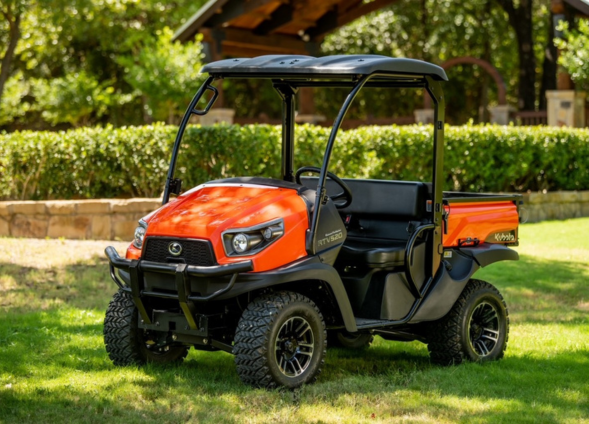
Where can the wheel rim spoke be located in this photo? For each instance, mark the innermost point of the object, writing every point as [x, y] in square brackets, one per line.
[483, 329]
[493, 339]
[294, 347]
[489, 316]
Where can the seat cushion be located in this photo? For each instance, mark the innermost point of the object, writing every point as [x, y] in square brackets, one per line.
[373, 254]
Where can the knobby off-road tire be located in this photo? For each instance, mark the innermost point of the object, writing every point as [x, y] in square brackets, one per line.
[280, 340]
[125, 342]
[476, 328]
[349, 341]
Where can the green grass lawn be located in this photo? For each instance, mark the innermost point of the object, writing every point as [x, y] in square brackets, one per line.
[53, 366]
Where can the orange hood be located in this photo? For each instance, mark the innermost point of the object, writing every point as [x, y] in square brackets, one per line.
[204, 212]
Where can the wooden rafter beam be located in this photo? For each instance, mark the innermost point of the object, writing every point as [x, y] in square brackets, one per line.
[217, 12]
[235, 9]
[191, 26]
[280, 17]
[229, 39]
[335, 18]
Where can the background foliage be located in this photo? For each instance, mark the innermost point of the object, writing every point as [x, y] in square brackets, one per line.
[74, 60]
[87, 62]
[124, 162]
[574, 54]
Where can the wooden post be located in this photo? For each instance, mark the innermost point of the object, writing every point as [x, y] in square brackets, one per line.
[563, 79]
[306, 101]
[217, 54]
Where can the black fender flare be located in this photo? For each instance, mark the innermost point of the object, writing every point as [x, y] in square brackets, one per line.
[448, 285]
[306, 269]
[486, 253]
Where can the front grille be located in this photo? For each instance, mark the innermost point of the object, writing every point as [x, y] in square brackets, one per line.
[194, 252]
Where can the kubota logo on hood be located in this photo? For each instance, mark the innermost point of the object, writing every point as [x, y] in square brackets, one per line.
[175, 248]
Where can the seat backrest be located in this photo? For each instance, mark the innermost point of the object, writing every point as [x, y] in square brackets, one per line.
[381, 209]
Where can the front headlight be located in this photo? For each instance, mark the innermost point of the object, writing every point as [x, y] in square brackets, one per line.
[140, 234]
[251, 240]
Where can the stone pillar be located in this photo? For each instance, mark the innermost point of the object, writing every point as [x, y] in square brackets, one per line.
[218, 116]
[424, 116]
[501, 114]
[566, 108]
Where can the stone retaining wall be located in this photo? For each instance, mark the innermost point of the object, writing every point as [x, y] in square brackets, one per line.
[105, 219]
[555, 205]
[112, 219]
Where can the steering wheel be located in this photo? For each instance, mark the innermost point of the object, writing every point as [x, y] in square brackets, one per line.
[345, 195]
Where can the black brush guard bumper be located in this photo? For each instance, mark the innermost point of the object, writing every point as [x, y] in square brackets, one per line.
[182, 272]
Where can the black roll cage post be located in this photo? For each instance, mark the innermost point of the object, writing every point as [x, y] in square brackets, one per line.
[174, 185]
[287, 93]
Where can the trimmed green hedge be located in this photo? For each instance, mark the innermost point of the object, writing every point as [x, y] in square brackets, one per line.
[125, 162]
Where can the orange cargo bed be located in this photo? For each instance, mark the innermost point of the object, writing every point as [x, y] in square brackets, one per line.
[473, 218]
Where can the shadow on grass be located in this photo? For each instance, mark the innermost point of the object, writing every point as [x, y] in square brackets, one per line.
[51, 326]
[85, 285]
[541, 291]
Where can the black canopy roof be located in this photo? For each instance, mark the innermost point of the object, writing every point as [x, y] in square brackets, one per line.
[291, 66]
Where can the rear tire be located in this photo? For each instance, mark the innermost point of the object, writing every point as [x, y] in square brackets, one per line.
[349, 341]
[280, 341]
[126, 343]
[476, 328]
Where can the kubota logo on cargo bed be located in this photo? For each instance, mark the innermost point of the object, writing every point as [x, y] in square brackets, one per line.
[502, 237]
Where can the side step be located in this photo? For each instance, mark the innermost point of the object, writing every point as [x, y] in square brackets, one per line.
[364, 324]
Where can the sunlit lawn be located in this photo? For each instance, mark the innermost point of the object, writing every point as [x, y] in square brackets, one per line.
[53, 366]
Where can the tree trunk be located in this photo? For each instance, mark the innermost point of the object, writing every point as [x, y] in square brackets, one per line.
[484, 114]
[549, 65]
[520, 19]
[13, 37]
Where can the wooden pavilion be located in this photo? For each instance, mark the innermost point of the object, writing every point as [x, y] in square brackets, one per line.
[237, 28]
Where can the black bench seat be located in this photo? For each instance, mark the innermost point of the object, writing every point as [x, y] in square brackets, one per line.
[374, 254]
[379, 217]
[379, 220]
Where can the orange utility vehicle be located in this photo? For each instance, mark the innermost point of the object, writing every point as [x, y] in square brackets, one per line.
[269, 269]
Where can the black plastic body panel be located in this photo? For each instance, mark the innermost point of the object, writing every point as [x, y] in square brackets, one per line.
[310, 268]
[445, 290]
[486, 253]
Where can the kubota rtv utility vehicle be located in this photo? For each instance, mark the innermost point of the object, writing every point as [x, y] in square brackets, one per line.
[267, 268]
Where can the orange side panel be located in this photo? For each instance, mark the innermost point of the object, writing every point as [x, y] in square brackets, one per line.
[482, 221]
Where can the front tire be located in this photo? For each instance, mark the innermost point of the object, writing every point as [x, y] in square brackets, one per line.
[280, 341]
[126, 344]
[476, 328]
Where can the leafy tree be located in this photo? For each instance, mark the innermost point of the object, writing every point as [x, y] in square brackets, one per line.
[166, 74]
[13, 106]
[574, 55]
[520, 15]
[79, 42]
[456, 29]
[77, 98]
[12, 12]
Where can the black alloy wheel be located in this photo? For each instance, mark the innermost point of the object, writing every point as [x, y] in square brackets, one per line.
[280, 340]
[476, 328]
[294, 347]
[483, 329]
